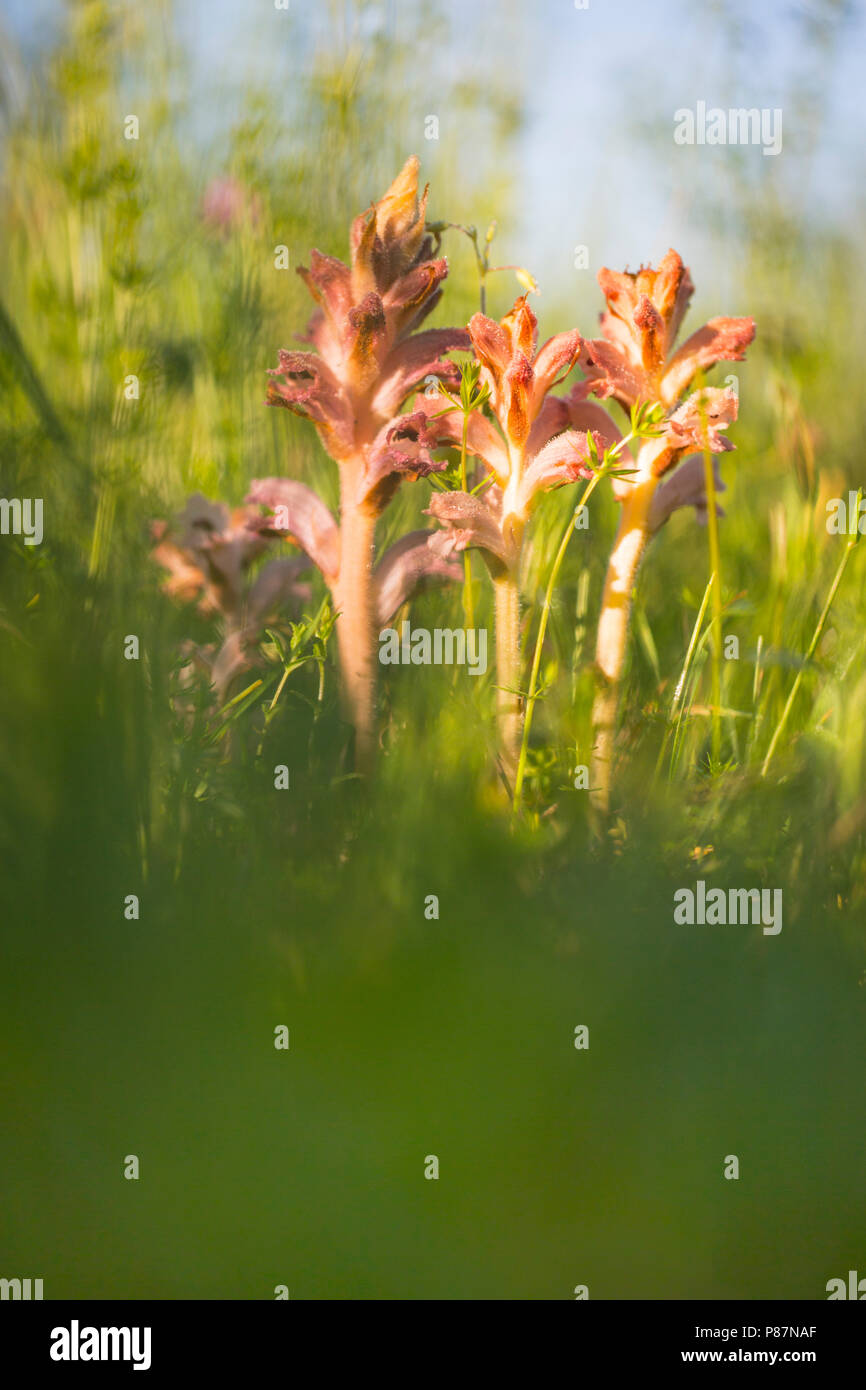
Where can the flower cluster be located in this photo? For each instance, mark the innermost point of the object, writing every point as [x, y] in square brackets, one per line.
[367, 353]
[533, 448]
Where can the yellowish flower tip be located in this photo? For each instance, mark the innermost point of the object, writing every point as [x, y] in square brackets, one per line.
[527, 280]
[397, 211]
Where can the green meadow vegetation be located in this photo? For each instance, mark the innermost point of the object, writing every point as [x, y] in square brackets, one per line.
[415, 1029]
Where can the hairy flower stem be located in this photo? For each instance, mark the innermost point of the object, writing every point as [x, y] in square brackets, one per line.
[610, 652]
[354, 602]
[507, 598]
[715, 574]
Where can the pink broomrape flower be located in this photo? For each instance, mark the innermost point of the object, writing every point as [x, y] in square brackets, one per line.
[207, 551]
[227, 204]
[293, 510]
[635, 360]
[636, 363]
[533, 450]
[370, 354]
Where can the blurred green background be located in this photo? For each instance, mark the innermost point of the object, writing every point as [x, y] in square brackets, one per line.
[411, 1036]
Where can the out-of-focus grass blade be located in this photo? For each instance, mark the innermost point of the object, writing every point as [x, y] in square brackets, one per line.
[647, 641]
[683, 677]
[13, 348]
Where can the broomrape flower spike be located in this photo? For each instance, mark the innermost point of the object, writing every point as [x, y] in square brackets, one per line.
[532, 450]
[206, 552]
[369, 357]
[636, 363]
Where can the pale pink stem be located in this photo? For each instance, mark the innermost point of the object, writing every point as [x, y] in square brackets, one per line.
[613, 625]
[354, 600]
[508, 703]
